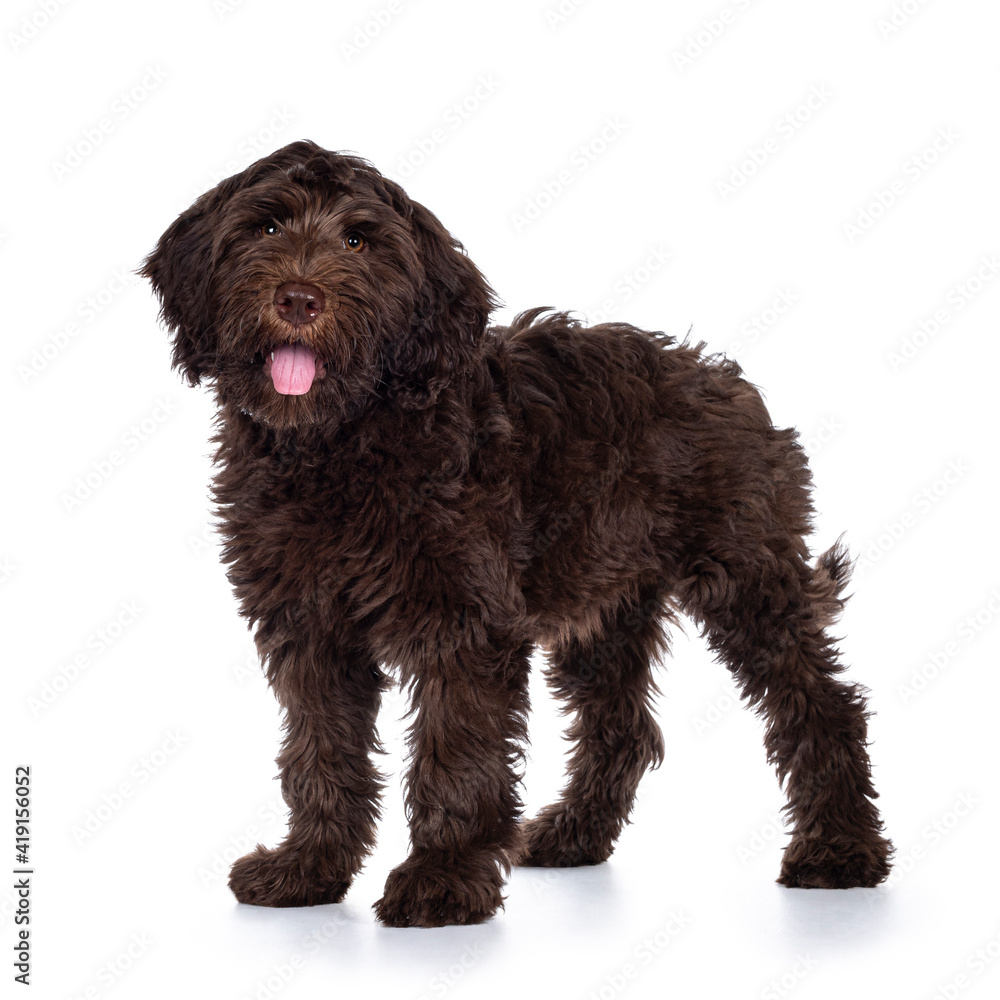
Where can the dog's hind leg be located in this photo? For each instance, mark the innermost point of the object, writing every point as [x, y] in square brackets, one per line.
[765, 611]
[606, 682]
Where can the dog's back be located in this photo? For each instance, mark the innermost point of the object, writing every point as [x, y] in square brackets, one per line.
[634, 452]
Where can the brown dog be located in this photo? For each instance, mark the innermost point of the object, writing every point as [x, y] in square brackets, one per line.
[401, 484]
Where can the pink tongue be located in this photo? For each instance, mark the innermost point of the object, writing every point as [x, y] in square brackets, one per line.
[293, 369]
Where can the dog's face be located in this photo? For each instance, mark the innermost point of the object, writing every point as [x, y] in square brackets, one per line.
[309, 284]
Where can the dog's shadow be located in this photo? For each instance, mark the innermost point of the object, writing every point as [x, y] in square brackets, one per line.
[573, 898]
[813, 918]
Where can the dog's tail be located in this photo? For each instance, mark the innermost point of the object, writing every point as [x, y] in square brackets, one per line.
[829, 578]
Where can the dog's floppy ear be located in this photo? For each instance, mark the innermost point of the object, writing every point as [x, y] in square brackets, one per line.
[454, 302]
[180, 267]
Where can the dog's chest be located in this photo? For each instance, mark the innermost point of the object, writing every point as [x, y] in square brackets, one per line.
[299, 535]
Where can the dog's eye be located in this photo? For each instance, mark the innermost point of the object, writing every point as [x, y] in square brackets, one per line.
[268, 229]
[355, 242]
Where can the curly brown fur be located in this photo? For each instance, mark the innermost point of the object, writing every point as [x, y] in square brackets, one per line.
[404, 485]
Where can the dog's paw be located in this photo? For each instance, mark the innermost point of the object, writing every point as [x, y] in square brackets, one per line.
[431, 889]
[284, 877]
[812, 864]
[559, 838]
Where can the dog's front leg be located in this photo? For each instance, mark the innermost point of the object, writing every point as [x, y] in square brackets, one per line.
[462, 797]
[331, 696]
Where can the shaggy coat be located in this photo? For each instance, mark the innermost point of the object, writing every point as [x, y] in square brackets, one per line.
[402, 486]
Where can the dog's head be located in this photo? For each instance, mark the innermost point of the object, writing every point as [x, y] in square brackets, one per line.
[309, 283]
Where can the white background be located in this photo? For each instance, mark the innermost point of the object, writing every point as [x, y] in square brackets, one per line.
[170, 703]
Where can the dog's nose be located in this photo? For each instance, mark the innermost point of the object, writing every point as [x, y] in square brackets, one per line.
[298, 303]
